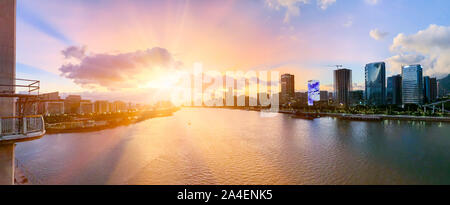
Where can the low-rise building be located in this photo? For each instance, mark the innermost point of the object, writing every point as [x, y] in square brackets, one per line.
[357, 97]
[53, 108]
[101, 106]
[72, 104]
[51, 104]
[86, 107]
[120, 106]
[324, 97]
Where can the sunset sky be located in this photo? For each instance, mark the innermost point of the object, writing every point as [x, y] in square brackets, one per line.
[106, 49]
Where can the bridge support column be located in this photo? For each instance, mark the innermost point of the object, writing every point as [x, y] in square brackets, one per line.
[7, 164]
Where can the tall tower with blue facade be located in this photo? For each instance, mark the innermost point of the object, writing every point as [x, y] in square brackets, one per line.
[412, 84]
[394, 90]
[375, 80]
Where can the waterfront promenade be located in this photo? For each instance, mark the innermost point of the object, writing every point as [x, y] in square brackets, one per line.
[369, 117]
[96, 123]
[347, 116]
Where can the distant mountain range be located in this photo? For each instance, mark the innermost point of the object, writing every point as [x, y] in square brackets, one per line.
[444, 84]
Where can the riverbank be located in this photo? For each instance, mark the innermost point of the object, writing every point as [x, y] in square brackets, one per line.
[91, 124]
[361, 117]
[344, 116]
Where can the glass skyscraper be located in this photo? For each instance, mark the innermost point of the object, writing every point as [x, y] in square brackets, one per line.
[394, 90]
[375, 93]
[426, 89]
[429, 89]
[412, 84]
[433, 89]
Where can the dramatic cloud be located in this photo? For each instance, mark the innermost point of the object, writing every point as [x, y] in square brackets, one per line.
[125, 70]
[396, 62]
[429, 47]
[377, 34]
[74, 52]
[293, 6]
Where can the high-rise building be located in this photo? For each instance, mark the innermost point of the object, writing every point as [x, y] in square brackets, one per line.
[394, 90]
[287, 87]
[324, 96]
[442, 91]
[426, 89]
[429, 89]
[375, 78]
[7, 55]
[342, 86]
[438, 91]
[434, 89]
[412, 84]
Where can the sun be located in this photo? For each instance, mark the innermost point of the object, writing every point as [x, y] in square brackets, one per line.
[163, 80]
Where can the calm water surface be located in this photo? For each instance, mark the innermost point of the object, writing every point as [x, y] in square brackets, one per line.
[219, 146]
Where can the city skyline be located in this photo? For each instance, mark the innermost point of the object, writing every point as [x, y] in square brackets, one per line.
[379, 91]
[409, 87]
[297, 43]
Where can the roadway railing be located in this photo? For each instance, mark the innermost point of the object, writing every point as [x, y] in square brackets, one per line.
[20, 85]
[21, 125]
[435, 105]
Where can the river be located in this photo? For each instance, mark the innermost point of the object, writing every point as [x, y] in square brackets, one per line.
[221, 146]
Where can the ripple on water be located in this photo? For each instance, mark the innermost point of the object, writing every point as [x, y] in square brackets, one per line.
[240, 147]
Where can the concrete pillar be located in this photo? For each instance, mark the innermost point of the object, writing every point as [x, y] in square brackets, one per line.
[7, 164]
[7, 77]
[7, 55]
